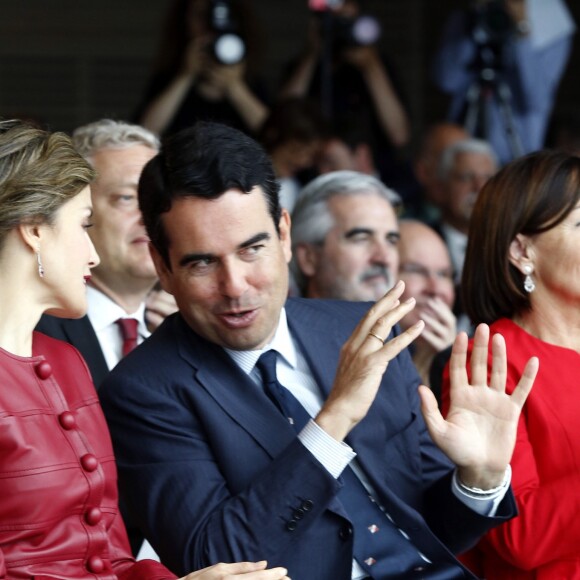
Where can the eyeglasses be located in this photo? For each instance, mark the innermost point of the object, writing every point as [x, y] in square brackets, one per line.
[427, 273]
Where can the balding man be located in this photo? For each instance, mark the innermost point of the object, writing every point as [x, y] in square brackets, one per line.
[425, 267]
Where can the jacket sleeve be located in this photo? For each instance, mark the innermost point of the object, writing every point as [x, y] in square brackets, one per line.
[124, 565]
[193, 518]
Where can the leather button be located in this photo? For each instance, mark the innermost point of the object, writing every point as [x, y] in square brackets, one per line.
[67, 420]
[291, 525]
[89, 462]
[93, 516]
[95, 565]
[298, 514]
[43, 370]
[307, 505]
[345, 533]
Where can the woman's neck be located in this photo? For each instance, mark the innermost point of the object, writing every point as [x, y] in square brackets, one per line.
[19, 314]
[552, 322]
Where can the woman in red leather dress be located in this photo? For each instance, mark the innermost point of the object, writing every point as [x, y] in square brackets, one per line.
[522, 276]
[58, 484]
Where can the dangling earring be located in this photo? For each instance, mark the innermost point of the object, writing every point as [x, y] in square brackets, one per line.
[39, 262]
[529, 285]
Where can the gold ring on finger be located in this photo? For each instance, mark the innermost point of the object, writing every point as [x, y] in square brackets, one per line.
[377, 337]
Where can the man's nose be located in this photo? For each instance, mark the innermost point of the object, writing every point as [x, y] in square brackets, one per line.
[233, 279]
[383, 253]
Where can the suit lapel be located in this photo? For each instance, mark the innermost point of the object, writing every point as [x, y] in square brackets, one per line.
[234, 391]
[81, 335]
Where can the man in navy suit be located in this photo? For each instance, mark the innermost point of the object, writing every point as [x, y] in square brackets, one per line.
[216, 461]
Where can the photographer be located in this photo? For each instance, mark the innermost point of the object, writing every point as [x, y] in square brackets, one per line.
[505, 58]
[195, 80]
[346, 73]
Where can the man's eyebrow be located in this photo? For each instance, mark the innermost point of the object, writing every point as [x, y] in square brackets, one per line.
[263, 236]
[357, 231]
[189, 258]
[368, 231]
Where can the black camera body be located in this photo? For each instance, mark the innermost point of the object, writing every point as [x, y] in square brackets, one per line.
[228, 46]
[491, 24]
[362, 30]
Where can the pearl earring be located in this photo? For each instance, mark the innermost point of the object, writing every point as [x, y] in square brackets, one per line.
[529, 285]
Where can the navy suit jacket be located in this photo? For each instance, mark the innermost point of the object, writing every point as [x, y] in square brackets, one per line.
[81, 334]
[212, 472]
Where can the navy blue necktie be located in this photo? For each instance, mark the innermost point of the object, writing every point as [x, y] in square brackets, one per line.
[284, 400]
[379, 547]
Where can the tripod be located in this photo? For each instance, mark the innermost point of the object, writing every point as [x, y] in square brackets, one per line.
[480, 94]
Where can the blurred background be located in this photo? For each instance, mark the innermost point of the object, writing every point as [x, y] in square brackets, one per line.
[65, 62]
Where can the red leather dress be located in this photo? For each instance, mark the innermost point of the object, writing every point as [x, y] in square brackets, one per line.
[58, 482]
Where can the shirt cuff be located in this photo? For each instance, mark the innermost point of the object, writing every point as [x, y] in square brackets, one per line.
[334, 455]
[481, 502]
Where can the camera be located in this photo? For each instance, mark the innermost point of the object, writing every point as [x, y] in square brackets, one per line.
[491, 24]
[362, 30]
[228, 46]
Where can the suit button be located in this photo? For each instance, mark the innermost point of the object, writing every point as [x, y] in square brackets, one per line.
[89, 462]
[298, 514]
[95, 565]
[345, 533]
[43, 370]
[291, 525]
[67, 420]
[307, 505]
[93, 516]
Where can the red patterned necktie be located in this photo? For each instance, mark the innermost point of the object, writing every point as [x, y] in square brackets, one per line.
[128, 328]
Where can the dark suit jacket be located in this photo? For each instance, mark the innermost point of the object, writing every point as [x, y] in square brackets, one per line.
[211, 471]
[80, 333]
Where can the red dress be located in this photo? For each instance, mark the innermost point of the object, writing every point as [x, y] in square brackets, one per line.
[543, 542]
[58, 481]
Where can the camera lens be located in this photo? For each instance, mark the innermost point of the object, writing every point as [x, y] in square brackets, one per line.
[229, 48]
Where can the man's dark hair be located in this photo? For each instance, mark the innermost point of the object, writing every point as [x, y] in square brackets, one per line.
[204, 161]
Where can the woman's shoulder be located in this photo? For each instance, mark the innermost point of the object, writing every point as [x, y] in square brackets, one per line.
[64, 360]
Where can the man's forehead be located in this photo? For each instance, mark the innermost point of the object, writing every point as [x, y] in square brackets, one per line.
[363, 205]
[424, 248]
[474, 158]
[234, 215]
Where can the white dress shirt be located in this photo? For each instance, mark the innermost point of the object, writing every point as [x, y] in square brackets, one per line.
[103, 314]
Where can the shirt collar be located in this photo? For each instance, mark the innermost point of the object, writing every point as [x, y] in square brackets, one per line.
[281, 342]
[102, 312]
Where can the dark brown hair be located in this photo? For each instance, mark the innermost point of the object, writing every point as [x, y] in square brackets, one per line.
[528, 196]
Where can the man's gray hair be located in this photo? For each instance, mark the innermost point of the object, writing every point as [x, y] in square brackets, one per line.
[109, 134]
[449, 154]
[311, 218]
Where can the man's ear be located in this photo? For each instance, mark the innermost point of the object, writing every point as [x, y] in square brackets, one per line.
[521, 252]
[284, 232]
[306, 256]
[163, 270]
